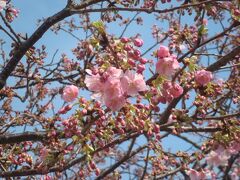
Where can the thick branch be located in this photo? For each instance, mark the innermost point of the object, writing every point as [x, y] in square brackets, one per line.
[224, 60]
[26, 136]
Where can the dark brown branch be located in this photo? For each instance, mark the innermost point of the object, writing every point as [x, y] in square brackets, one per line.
[26, 136]
[190, 129]
[224, 60]
[230, 164]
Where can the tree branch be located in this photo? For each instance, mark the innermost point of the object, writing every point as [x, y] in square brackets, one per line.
[73, 162]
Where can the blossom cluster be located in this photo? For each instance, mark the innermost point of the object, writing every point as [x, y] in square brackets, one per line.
[11, 12]
[167, 63]
[113, 86]
[3, 3]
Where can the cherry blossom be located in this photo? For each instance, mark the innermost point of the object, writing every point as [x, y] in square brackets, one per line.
[176, 90]
[195, 175]
[163, 52]
[132, 83]
[166, 66]
[218, 157]
[70, 93]
[94, 82]
[203, 77]
[3, 4]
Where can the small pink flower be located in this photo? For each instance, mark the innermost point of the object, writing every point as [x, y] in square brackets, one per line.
[113, 72]
[70, 93]
[116, 103]
[234, 147]
[176, 90]
[218, 157]
[3, 4]
[43, 153]
[143, 60]
[113, 94]
[162, 52]
[195, 175]
[112, 88]
[94, 83]
[203, 77]
[15, 12]
[167, 66]
[132, 83]
[138, 42]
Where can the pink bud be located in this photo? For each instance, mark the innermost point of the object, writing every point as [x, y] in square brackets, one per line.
[124, 39]
[140, 68]
[143, 60]
[138, 42]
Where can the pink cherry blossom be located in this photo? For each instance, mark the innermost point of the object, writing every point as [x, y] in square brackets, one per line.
[176, 90]
[113, 72]
[163, 52]
[15, 12]
[195, 175]
[113, 88]
[234, 147]
[203, 77]
[3, 4]
[116, 103]
[218, 157]
[138, 42]
[94, 82]
[113, 94]
[166, 66]
[132, 83]
[70, 93]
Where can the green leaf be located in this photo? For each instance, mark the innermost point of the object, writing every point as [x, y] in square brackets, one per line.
[99, 26]
[202, 30]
